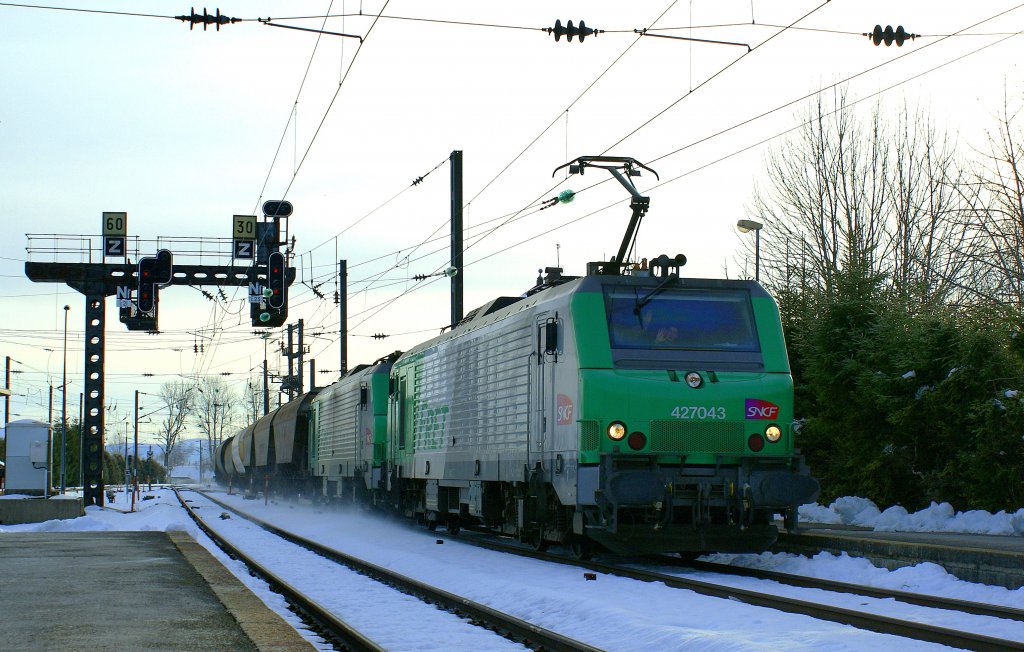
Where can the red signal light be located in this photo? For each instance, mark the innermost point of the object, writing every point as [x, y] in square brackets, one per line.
[276, 281]
[756, 442]
[637, 441]
[153, 272]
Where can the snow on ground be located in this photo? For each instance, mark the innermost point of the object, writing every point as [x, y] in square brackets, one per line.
[938, 517]
[926, 577]
[612, 613]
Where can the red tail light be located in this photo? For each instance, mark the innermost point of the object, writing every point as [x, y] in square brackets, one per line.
[637, 441]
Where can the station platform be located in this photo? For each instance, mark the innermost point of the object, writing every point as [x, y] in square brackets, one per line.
[129, 591]
[986, 559]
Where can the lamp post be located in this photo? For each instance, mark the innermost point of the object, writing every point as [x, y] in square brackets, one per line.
[135, 455]
[213, 441]
[746, 226]
[64, 409]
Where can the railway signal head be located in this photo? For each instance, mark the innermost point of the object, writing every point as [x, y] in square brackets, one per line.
[277, 281]
[272, 311]
[153, 272]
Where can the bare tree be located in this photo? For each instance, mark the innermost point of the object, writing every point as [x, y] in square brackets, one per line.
[824, 197]
[117, 434]
[930, 243]
[865, 197]
[176, 398]
[253, 399]
[216, 413]
[1000, 212]
[180, 455]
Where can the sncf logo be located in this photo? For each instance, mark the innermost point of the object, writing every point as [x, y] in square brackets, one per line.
[565, 409]
[758, 409]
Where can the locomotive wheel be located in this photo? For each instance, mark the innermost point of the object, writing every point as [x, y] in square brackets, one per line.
[453, 526]
[789, 519]
[581, 549]
[537, 540]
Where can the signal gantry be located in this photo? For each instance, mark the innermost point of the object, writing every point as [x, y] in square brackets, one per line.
[256, 261]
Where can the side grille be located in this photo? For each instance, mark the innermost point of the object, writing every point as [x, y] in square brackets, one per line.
[697, 437]
[590, 435]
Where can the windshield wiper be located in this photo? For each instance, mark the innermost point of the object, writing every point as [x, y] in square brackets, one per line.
[640, 303]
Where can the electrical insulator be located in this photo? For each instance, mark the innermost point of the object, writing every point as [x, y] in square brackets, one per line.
[217, 19]
[890, 35]
[569, 30]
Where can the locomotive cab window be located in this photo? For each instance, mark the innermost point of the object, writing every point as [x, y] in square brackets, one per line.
[681, 319]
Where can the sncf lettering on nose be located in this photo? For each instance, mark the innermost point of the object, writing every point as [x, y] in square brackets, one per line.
[758, 409]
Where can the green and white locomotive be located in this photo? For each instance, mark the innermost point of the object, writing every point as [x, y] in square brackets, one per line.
[636, 410]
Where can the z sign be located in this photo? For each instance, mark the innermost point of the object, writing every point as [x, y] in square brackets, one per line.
[243, 249]
[113, 246]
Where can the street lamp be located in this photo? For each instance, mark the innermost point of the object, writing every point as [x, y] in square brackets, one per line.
[64, 408]
[746, 226]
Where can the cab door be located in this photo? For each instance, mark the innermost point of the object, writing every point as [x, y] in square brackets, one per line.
[400, 443]
[548, 342]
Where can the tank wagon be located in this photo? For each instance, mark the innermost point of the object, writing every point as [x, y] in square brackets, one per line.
[272, 453]
[629, 408]
[223, 466]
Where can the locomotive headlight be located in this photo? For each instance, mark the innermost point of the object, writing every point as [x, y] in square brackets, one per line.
[694, 380]
[616, 430]
[773, 433]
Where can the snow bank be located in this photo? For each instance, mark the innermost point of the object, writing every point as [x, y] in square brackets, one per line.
[937, 517]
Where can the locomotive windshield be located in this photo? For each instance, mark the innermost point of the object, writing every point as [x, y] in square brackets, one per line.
[680, 319]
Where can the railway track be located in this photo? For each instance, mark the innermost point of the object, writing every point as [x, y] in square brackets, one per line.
[920, 599]
[859, 619]
[326, 624]
[336, 629]
[856, 618]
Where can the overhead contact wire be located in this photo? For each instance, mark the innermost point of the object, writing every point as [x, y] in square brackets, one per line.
[714, 76]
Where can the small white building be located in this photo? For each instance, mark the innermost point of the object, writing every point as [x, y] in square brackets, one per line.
[28, 458]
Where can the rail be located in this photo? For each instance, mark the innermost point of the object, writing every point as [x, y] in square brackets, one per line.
[327, 623]
[859, 619]
[514, 628]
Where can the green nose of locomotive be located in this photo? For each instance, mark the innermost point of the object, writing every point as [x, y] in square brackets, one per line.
[707, 416]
